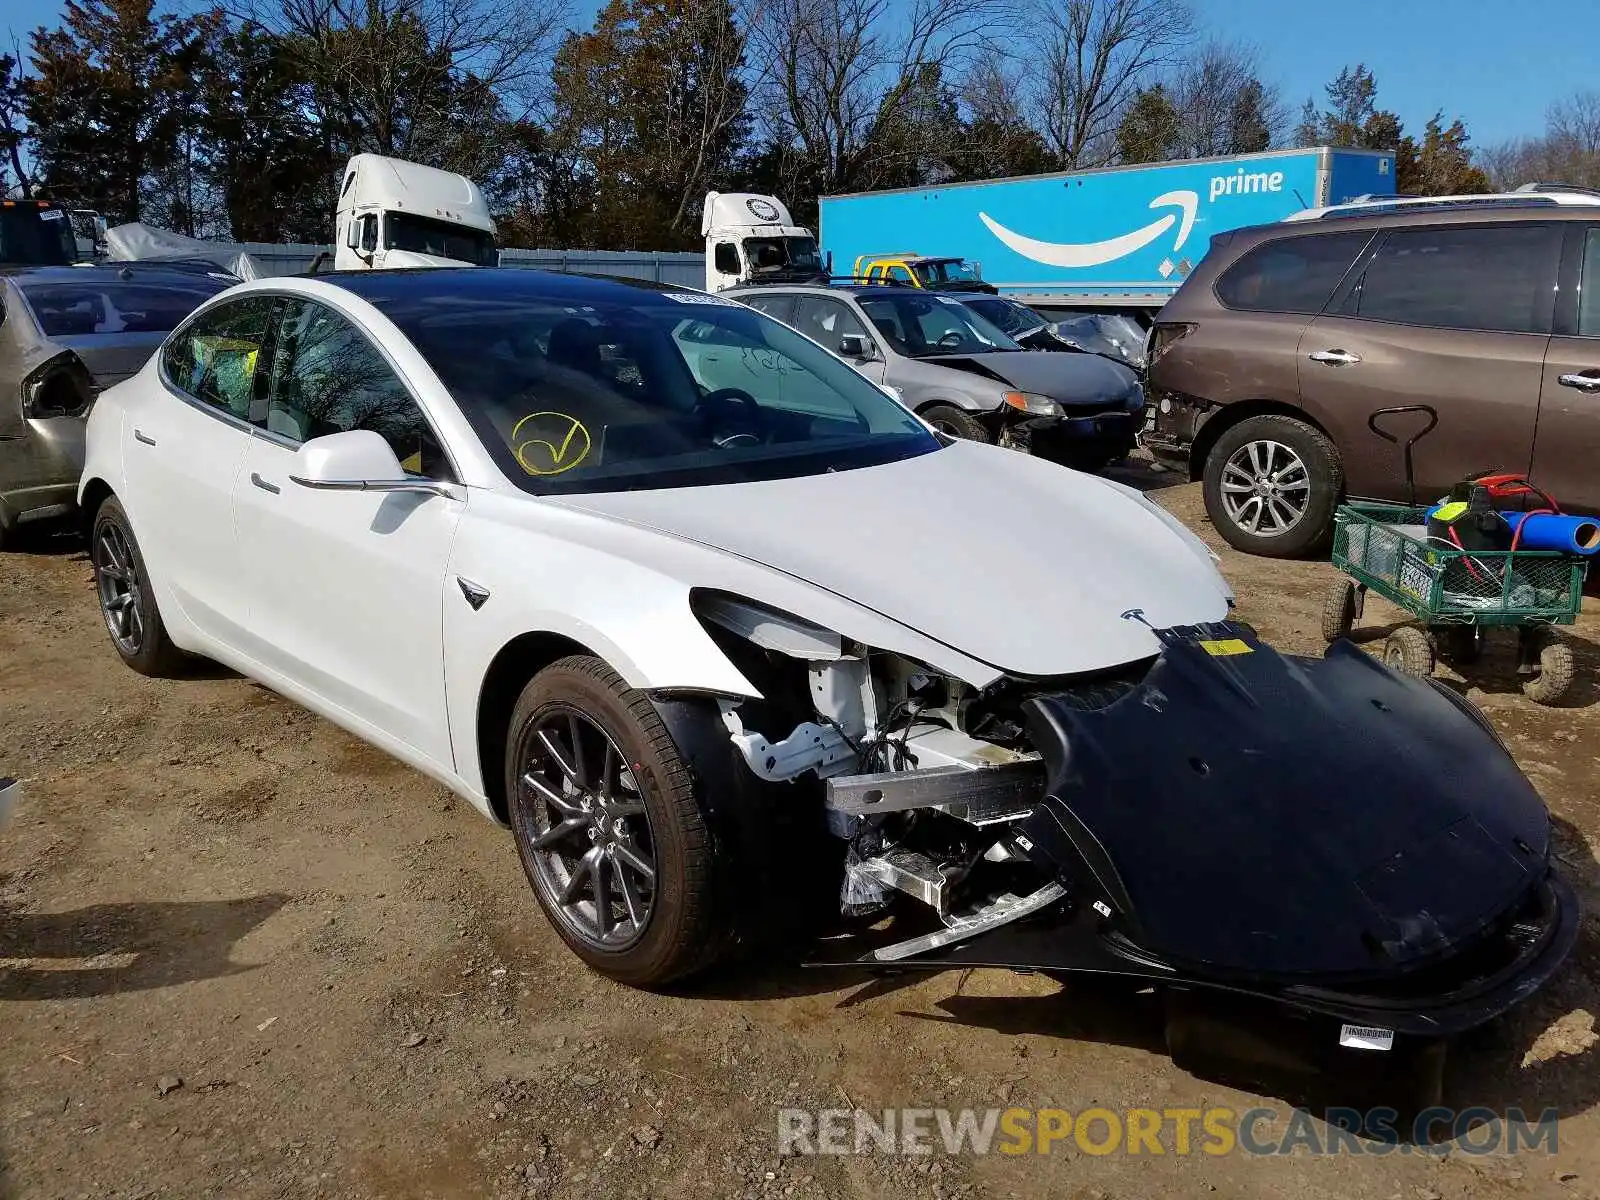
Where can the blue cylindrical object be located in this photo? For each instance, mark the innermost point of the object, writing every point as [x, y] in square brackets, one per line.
[1555, 531]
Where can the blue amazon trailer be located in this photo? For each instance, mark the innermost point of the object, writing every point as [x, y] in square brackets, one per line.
[1119, 239]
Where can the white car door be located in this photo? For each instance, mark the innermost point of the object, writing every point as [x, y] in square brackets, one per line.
[346, 586]
[186, 445]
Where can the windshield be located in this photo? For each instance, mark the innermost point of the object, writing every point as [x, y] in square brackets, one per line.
[1013, 317]
[676, 389]
[919, 325]
[768, 254]
[441, 239]
[30, 234]
[87, 307]
[944, 270]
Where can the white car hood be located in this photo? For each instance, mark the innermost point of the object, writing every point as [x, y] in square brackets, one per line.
[1011, 560]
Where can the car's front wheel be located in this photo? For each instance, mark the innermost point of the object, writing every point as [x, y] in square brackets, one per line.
[127, 601]
[956, 422]
[610, 831]
[1271, 485]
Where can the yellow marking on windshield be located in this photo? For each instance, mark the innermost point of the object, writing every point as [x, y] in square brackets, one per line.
[573, 448]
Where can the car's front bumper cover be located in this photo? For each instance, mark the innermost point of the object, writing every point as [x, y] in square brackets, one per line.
[1322, 834]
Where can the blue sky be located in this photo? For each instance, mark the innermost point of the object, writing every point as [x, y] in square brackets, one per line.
[1476, 59]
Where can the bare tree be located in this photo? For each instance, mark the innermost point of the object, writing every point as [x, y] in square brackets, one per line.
[1091, 56]
[836, 76]
[418, 78]
[1223, 107]
[1568, 151]
[704, 110]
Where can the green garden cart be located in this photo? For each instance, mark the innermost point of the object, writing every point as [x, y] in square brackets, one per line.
[1456, 595]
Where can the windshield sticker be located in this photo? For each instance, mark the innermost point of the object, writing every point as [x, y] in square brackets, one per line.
[700, 298]
[549, 443]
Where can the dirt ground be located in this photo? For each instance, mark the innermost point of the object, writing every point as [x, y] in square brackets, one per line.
[241, 954]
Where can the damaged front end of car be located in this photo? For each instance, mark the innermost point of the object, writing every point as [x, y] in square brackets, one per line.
[1323, 834]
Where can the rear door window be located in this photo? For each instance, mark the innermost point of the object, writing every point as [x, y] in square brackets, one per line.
[1291, 275]
[217, 358]
[1589, 295]
[777, 306]
[1492, 277]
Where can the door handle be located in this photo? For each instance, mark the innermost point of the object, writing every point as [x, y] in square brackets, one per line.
[140, 435]
[1334, 358]
[1583, 381]
[263, 484]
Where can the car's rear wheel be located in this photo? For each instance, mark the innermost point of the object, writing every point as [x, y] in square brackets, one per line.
[127, 601]
[956, 422]
[611, 833]
[1271, 485]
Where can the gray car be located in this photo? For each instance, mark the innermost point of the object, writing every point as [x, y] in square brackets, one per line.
[66, 333]
[963, 375]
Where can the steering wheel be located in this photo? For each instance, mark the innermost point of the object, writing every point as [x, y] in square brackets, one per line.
[736, 406]
[952, 339]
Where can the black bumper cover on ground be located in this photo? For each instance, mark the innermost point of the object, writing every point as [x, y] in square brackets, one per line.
[1326, 834]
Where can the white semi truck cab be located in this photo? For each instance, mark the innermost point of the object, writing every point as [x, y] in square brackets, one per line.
[752, 239]
[394, 213]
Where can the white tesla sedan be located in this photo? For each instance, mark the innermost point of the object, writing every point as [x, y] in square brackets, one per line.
[711, 651]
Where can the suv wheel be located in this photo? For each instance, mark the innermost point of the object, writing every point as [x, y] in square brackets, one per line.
[1271, 484]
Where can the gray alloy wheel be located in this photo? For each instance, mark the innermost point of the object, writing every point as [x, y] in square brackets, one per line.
[1265, 488]
[593, 853]
[116, 573]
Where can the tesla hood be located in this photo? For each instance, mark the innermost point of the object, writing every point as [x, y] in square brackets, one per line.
[1010, 560]
[1067, 378]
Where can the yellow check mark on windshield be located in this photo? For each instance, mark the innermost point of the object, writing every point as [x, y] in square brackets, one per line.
[573, 450]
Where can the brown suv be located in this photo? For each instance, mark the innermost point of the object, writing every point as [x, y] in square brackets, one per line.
[1269, 363]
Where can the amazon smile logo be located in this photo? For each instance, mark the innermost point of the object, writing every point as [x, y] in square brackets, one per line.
[548, 443]
[1093, 254]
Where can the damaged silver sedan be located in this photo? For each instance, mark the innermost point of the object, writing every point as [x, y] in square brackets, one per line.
[67, 333]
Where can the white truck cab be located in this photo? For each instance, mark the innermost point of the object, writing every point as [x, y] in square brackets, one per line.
[752, 239]
[394, 213]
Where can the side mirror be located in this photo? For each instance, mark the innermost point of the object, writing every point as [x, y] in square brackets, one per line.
[352, 233]
[854, 345]
[358, 460]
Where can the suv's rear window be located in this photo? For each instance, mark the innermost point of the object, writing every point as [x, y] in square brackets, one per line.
[1492, 277]
[1294, 274]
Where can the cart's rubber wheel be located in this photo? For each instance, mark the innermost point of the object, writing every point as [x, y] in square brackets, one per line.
[1409, 649]
[1557, 666]
[1461, 644]
[1339, 610]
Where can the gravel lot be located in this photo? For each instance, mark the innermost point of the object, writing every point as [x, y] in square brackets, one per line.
[241, 954]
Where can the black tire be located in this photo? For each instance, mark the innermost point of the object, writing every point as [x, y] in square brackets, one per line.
[1557, 668]
[957, 422]
[1324, 482]
[684, 929]
[132, 619]
[1460, 645]
[1409, 649]
[1339, 610]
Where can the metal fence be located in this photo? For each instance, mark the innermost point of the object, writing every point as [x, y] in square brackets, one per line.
[681, 267]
